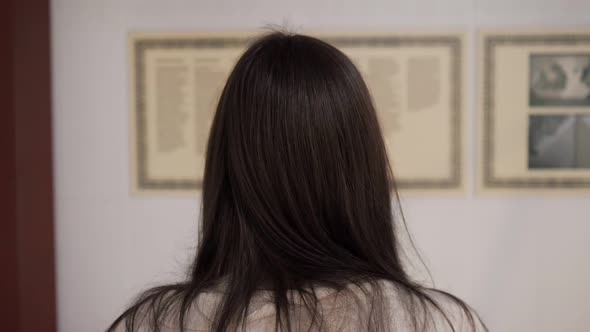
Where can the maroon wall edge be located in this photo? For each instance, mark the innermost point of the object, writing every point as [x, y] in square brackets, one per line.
[27, 275]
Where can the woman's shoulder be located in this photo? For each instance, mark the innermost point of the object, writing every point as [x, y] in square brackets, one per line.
[404, 308]
[161, 306]
[438, 310]
[417, 308]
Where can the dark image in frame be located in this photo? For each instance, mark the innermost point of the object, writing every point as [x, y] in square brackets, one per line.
[559, 79]
[559, 141]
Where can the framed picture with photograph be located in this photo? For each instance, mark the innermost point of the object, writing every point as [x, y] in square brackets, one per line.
[534, 111]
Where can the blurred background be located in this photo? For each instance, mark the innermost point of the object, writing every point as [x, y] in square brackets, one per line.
[522, 262]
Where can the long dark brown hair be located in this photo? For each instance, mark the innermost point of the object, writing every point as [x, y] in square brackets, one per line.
[298, 192]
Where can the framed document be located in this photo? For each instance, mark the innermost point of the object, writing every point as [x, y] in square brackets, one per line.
[416, 80]
[534, 111]
[175, 81]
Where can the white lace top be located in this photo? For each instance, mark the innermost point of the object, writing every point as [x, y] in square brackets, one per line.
[341, 311]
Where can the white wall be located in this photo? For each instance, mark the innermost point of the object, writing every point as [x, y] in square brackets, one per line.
[522, 262]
